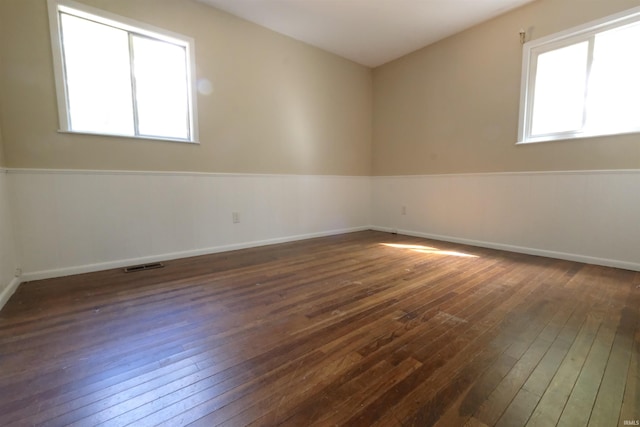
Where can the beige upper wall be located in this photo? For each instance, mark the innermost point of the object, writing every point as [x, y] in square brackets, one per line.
[278, 105]
[452, 107]
[2, 161]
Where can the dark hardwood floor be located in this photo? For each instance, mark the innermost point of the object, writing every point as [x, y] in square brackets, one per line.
[362, 329]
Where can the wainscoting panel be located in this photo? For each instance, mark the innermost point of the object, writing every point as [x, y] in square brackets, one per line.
[8, 252]
[68, 222]
[77, 221]
[591, 216]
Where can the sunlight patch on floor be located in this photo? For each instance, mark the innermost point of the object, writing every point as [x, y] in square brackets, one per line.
[429, 250]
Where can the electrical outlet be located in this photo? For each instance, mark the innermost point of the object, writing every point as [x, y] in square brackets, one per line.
[403, 210]
[235, 216]
[18, 272]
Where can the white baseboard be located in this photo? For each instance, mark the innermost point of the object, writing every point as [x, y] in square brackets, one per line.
[48, 274]
[8, 291]
[519, 249]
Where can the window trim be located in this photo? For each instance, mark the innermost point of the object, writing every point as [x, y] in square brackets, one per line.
[533, 48]
[56, 7]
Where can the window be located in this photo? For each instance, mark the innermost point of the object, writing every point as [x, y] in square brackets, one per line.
[583, 82]
[115, 76]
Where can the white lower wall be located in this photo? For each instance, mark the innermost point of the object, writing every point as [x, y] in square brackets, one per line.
[77, 221]
[591, 216]
[68, 222]
[8, 253]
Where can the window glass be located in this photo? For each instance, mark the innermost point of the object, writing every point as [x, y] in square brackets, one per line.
[98, 76]
[559, 90]
[614, 84]
[161, 88]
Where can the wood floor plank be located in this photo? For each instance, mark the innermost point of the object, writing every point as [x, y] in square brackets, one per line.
[528, 359]
[360, 329]
[630, 411]
[440, 332]
[528, 327]
[556, 395]
[578, 407]
[418, 399]
[472, 399]
[302, 379]
[265, 408]
[497, 402]
[519, 410]
[608, 404]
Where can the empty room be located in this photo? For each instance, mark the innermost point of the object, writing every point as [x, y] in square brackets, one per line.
[319, 213]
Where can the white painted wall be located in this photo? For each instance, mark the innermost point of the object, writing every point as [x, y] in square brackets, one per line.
[76, 221]
[67, 222]
[8, 253]
[591, 216]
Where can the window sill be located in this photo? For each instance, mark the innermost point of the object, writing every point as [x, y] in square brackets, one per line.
[145, 138]
[569, 137]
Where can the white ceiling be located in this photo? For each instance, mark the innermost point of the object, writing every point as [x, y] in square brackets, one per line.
[369, 32]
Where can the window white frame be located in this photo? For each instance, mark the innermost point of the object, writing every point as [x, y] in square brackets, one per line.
[56, 7]
[531, 51]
